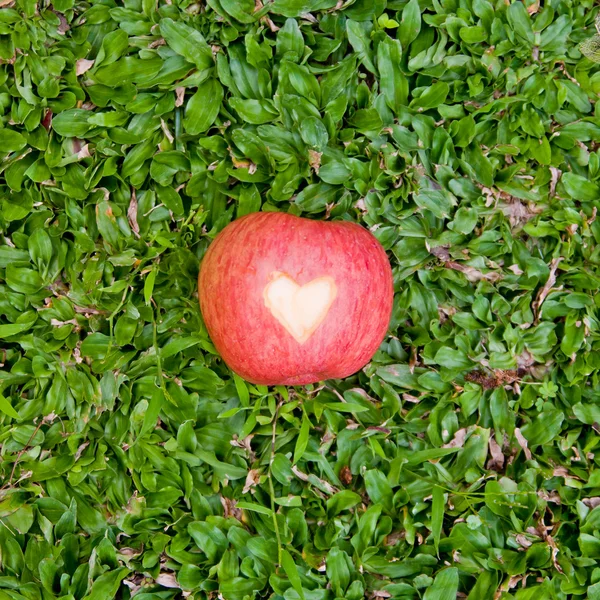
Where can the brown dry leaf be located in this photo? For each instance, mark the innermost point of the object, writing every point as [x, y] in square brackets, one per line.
[360, 205]
[83, 65]
[564, 472]
[245, 444]
[554, 177]
[490, 196]
[64, 25]
[515, 580]
[473, 274]
[132, 213]
[413, 360]
[81, 450]
[523, 443]
[496, 462]
[592, 502]
[380, 429]
[458, 441]
[517, 211]
[523, 540]
[7, 3]
[411, 398]
[270, 24]
[167, 580]
[230, 509]
[179, 95]
[314, 160]
[134, 583]
[541, 296]
[554, 547]
[553, 496]
[129, 552]
[243, 164]
[560, 472]
[325, 485]
[515, 269]
[346, 475]
[394, 538]
[525, 359]
[252, 480]
[496, 379]
[84, 152]
[533, 8]
[440, 252]
[166, 131]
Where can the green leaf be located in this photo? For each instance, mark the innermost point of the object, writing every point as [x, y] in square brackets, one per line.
[291, 570]
[452, 359]
[519, 19]
[445, 586]
[432, 97]
[203, 107]
[379, 489]
[187, 42]
[23, 323]
[410, 23]
[242, 10]
[7, 409]
[253, 111]
[314, 133]
[107, 585]
[341, 501]
[149, 285]
[263, 510]
[580, 188]
[357, 36]
[242, 390]
[544, 428]
[394, 84]
[302, 440]
[437, 514]
[11, 141]
[71, 123]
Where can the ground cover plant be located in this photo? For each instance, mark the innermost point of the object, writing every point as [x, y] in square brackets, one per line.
[461, 462]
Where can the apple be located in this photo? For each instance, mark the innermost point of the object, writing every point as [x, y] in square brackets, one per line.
[291, 301]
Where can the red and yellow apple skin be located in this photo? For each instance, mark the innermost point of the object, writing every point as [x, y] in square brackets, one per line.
[292, 301]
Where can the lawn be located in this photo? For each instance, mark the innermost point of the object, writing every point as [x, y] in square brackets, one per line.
[461, 462]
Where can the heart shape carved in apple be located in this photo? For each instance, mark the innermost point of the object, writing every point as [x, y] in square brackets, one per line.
[300, 309]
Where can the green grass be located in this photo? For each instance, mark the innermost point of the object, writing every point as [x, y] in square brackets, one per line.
[464, 458]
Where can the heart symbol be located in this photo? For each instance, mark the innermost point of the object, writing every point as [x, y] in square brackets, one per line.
[299, 308]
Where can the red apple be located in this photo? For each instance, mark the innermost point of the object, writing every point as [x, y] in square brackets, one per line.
[292, 301]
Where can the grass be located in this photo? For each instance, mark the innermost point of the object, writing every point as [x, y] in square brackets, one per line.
[463, 460]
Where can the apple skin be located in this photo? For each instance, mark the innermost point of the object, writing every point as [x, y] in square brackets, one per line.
[238, 266]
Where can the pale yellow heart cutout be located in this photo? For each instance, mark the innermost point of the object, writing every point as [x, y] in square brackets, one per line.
[299, 308]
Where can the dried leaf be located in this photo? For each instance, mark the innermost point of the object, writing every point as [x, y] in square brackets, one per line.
[132, 213]
[82, 66]
[458, 441]
[473, 274]
[180, 96]
[496, 462]
[167, 580]
[252, 480]
[544, 291]
[523, 443]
